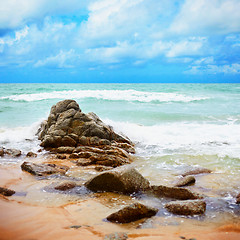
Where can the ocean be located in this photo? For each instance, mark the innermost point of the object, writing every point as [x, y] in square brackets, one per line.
[174, 126]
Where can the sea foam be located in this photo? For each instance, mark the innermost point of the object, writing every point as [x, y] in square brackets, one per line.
[113, 95]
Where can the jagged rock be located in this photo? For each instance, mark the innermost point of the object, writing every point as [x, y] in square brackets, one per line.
[116, 236]
[6, 192]
[31, 154]
[43, 169]
[174, 192]
[132, 213]
[188, 207]
[185, 181]
[122, 180]
[238, 199]
[197, 171]
[66, 186]
[13, 152]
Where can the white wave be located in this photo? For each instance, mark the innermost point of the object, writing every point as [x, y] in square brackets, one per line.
[183, 138]
[115, 95]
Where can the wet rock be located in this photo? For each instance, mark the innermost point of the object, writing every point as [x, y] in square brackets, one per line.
[6, 192]
[123, 180]
[1, 152]
[174, 192]
[238, 199]
[31, 154]
[13, 152]
[102, 168]
[116, 236]
[43, 169]
[66, 186]
[132, 213]
[61, 156]
[197, 171]
[65, 149]
[185, 181]
[188, 207]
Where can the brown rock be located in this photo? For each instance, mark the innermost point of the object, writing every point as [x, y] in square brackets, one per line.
[197, 171]
[66, 186]
[174, 192]
[188, 207]
[6, 192]
[185, 181]
[238, 199]
[31, 154]
[132, 213]
[1, 152]
[102, 168]
[65, 149]
[123, 180]
[43, 169]
[61, 156]
[13, 152]
[68, 141]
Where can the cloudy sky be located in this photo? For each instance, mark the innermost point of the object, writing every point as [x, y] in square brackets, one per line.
[119, 41]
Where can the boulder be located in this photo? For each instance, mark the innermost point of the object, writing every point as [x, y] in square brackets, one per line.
[196, 171]
[31, 154]
[13, 152]
[188, 207]
[132, 213]
[122, 180]
[185, 181]
[174, 192]
[43, 169]
[116, 236]
[6, 192]
[66, 186]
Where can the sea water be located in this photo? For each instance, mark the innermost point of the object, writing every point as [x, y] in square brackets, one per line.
[174, 126]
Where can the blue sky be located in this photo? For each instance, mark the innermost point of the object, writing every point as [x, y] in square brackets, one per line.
[119, 41]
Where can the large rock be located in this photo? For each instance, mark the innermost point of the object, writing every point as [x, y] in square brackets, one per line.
[43, 169]
[174, 192]
[132, 213]
[122, 180]
[6, 192]
[188, 207]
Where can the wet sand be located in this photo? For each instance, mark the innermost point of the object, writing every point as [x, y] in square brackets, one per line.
[34, 213]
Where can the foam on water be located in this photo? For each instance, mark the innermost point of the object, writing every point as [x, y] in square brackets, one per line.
[114, 95]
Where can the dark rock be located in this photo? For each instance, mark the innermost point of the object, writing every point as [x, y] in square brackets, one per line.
[68, 141]
[197, 171]
[66, 186]
[116, 236]
[61, 156]
[123, 180]
[6, 192]
[75, 226]
[13, 152]
[185, 181]
[132, 213]
[1, 152]
[174, 192]
[43, 169]
[238, 199]
[65, 149]
[188, 207]
[31, 154]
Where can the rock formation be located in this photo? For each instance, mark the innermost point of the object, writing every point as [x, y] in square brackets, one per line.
[84, 136]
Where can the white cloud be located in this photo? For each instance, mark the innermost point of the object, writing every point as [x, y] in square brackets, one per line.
[208, 17]
[61, 60]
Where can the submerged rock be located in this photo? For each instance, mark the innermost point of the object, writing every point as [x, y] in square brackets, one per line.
[174, 192]
[66, 186]
[132, 213]
[197, 171]
[185, 181]
[122, 180]
[6, 192]
[188, 207]
[43, 169]
[116, 236]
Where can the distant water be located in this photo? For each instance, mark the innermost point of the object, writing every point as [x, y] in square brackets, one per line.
[174, 126]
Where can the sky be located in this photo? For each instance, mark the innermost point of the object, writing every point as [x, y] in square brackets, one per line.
[119, 41]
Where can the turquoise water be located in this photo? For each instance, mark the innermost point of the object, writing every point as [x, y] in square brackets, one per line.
[174, 126]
